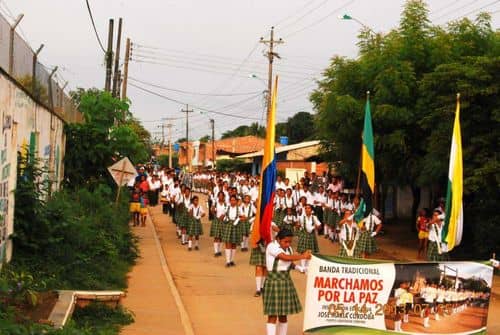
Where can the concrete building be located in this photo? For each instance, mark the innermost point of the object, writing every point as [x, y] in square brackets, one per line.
[292, 159]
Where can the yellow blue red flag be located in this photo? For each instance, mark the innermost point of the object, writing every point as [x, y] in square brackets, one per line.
[261, 231]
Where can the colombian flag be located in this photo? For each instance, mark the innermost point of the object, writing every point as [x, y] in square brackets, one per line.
[453, 222]
[262, 224]
[368, 160]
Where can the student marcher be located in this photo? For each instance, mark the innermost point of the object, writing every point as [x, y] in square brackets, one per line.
[436, 249]
[280, 296]
[194, 228]
[309, 224]
[219, 209]
[231, 233]
[370, 227]
[348, 236]
[258, 259]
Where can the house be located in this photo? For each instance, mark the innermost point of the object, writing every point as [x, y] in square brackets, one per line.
[201, 153]
[292, 159]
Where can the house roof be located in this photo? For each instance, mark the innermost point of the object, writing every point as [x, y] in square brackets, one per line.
[283, 148]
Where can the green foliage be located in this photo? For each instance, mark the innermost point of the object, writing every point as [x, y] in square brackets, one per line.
[95, 319]
[413, 73]
[101, 319]
[108, 134]
[163, 160]
[233, 165]
[205, 139]
[74, 240]
[297, 128]
[254, 129]
[19, 288]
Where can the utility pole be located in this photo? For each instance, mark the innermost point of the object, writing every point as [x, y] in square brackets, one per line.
[116, 89]
[109, 57]
[270, 55]
[125, 70]
[169, 127]
[162, 126]
[212, 123]
[187, 111]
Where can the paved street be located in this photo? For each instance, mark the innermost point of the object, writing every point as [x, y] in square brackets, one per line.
[217, 300]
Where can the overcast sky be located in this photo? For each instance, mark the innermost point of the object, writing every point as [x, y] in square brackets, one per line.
[211, 47]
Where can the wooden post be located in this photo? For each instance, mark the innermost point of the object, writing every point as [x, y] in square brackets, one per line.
[122, 172]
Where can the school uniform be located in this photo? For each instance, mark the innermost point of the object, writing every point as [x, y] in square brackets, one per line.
[307, 234]
[258, 254]
[231, 232]
[289, 222]
[279, 211]
[217, 224]
[436, 250]
[183, 204]
[349, 234]
[194, 227]
[367, 243]
[280, 296]
[249, 212]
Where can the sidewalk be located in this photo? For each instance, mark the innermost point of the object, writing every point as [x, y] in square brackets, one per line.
[149, 296]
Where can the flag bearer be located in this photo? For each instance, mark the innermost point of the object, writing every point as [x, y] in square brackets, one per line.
[280, 295]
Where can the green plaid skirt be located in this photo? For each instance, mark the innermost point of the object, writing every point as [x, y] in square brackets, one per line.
[194, 227]
[280, 296]
[216, 228]
[433, 255]
[356, 254]
[333, 219]
[366, 243]
[245, 227]
[257, 257]
[182, 217]
[231, 233]
[278, 217]
[307, 241]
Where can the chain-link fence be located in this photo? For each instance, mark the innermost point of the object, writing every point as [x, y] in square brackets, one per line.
[18, 59]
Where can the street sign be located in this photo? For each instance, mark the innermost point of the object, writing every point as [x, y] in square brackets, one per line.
[122, 171]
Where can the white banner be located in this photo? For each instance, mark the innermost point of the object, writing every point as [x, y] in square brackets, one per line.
[356, 296]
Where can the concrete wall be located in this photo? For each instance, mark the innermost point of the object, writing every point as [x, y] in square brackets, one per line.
[24, 123]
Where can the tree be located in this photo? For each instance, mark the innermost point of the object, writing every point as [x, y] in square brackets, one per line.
[300, 127]
[413, 73]
[254, 129]
[205, 139]
[107, 134]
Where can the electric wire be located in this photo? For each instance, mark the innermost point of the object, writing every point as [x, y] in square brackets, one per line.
[316, 22]
[197, 107]
[194, 93]
[93, 25]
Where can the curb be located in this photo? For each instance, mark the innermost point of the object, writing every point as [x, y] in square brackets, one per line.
[185, 320]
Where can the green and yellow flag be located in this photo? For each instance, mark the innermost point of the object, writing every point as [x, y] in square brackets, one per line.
[453, 223]
[368, 160]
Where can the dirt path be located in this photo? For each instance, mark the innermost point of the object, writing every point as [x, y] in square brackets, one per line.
[220, 300]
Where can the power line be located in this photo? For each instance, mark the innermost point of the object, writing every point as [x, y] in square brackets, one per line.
[455, 10]
[194, 93]
[321, 20]
[440, 9]
[477, 9]
[93, 25]
[294, 12]
[198, 107]
[304, 15]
